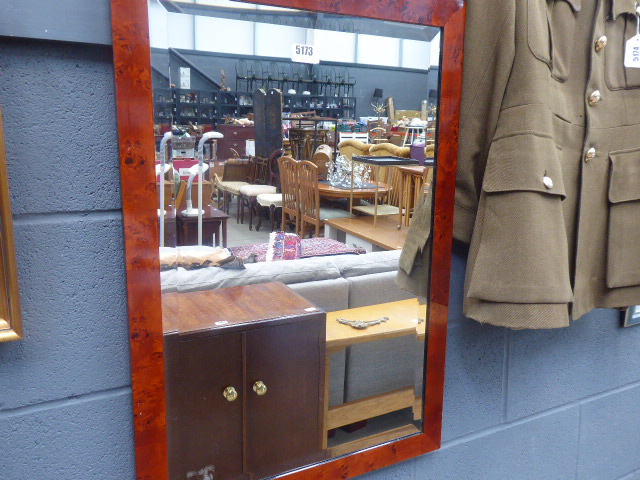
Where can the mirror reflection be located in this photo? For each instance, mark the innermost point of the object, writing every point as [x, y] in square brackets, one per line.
[292, 148]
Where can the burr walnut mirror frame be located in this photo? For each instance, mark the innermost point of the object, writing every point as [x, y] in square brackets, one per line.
[133, 79]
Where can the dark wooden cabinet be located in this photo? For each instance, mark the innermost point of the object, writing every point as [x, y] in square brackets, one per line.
[245, 338]
[235, 137]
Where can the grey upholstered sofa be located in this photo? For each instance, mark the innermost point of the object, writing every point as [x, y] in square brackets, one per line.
[333, 283]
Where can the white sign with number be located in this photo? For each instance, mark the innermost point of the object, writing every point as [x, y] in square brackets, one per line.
[304, 53]
[185, 77]
[632, 52]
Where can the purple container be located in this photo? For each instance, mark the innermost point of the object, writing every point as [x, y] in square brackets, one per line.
[417, 151]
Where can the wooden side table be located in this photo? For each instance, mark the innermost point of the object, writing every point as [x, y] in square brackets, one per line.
[403, 319]
[411, 133]
[214, 222]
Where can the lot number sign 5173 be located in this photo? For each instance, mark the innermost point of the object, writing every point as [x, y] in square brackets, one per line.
[304, 53]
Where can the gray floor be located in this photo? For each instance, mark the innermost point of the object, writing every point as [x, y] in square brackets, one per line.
[239, 234]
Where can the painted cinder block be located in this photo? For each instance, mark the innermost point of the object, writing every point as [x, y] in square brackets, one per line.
[73, 293]
[73, 440]
[58, 102]
[543, 447]
[401, 471]
[474, 376]
[610, 436]
[631, 476]
[456, 285]
[549, 368]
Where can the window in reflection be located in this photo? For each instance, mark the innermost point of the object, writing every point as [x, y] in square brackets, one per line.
[292, 150]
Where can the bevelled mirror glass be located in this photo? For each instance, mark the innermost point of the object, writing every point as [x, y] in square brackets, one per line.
[292, 148]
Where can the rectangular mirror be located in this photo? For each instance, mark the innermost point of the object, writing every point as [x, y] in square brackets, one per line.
[292, 146]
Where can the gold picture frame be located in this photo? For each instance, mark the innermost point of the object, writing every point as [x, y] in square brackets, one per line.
[10, 316]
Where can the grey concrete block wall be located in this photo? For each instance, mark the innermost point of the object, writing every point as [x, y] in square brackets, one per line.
[65, 389]
[518, 405]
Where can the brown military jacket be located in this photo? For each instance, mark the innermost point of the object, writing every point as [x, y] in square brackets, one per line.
[548, 186]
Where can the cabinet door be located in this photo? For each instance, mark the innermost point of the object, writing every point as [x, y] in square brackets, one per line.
[204, 428]
[284, 426]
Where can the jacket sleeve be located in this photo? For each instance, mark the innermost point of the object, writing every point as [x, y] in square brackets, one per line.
[489, 51]
[488, 57]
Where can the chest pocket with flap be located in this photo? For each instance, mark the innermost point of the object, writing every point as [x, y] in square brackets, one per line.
[550, 30]
[623, 252]
[621, 25]
[522, 254]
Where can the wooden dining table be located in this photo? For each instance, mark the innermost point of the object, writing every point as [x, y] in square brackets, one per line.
[330, 191]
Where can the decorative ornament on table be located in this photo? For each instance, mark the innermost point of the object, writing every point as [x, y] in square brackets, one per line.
[380, 109]
[339, 174]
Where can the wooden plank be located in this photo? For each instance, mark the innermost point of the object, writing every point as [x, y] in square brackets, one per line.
[387, 233]
[403, 320]
[373, 440]
[370, 407]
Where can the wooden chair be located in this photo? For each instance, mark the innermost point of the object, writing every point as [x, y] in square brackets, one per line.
[287, 167]
[207, 194]
[235, 174]
[170, 192]
[272, 201]
[322, 158]
[310, 211]
[261, 184]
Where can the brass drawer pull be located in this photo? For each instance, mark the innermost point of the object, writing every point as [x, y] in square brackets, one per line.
[230, 394]
[260, 388]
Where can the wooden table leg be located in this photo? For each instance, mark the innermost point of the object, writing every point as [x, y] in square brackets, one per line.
[251, 201]
[272, 216]
[224, 232]
[325, 419]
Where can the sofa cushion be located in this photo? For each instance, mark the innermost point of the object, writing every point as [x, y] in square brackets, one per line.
[169, 280]
[294, 271]
[375, 262]
[329, 295]
[376, 288]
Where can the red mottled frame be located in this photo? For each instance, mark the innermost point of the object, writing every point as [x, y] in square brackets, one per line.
[132, 62]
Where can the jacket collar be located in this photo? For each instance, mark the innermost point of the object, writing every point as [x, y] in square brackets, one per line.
[618, 7]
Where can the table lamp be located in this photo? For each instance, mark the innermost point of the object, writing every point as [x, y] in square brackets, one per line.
[162, 167]
[193, 171]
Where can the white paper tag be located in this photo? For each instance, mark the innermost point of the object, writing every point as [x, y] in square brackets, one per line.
[632, 53]
[304, 53]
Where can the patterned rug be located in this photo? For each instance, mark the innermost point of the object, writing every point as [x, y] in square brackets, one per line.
[283, 246]
[309, 247]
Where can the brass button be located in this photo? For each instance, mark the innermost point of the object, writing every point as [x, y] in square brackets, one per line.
[547, 182]
[601, 43]
[595, 97]
[591, 153]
